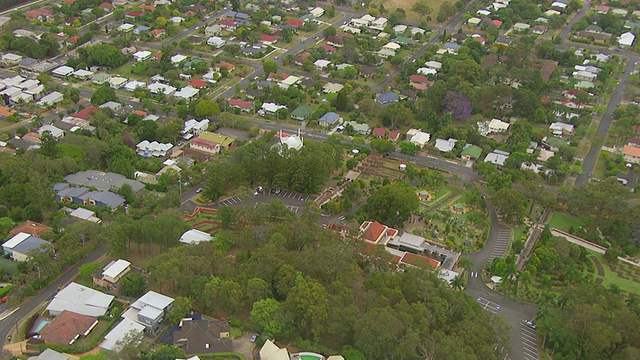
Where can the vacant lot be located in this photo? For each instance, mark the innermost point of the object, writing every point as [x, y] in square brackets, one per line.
[391, 6]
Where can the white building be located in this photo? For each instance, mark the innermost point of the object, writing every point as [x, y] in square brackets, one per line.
[82, 74]
[498, 126]
[54, 131]
[445, 145]
[51, 99]
[216, 41]
[117, 82]
[418, 137]
[149, 310]
[272, 108]
[142, 55]
[157, 88]
[186, 93]
[126, 27]
[321, 64]
[63, 71]
[497, 157]
[152, 149]
[317, 12]
[81, 300]
[193, 127]
[126, 329]
[177, 59]
[626, 39]
[194, 236]
[133, 85]
[561, 128]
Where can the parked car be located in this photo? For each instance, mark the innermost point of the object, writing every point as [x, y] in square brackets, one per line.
[254, 337]
[3, 300]
[530, 323]
[199, 190]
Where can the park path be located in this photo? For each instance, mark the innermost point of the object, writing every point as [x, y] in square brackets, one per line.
[589, 245]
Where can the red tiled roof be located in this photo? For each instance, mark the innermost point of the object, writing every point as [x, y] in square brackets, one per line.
[86, 113]
[140, 112]
[278, 76]
[240, 103]
[31, 227]
[393, 135]
[419, 86]
[419, 78]
[334, 40]
[158, 55]
[269, 38]
[148, 7]
[157, 32]
[197, 83]
[134, 13]
[35, 137]
[66, 327]
[6, 111]
[73, 39]
[413, 259]
[70, 21]
[374, 231]
[204, 143]
[497, 22]
[199, 7]
[227, 22]
[295, 22]
[69, 2]
[380, 131]
[106, 5]
[34, 14]
[229, 66]
[190, 13]
[631, 151]
[328, 48]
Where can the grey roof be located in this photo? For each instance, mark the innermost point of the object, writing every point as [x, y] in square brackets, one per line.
[154, 299]
[112, 200]
[81, 300]
[452, 46]
[230, 13]
[241, 15]
[60, 186]
[72, 191]
[102, 181]
[29, 244]
[64, 125]
[27, 61]
[329, 117]
[386, 97]
[49, 354]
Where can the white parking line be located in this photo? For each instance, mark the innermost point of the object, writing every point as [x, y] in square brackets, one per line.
[290, 195]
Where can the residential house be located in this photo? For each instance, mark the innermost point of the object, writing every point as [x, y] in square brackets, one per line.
[149, 310]
[115, 339]
[418, 137]
[31, 228]
[112, 274]
[142, 55]
[380, 132]
[268, 39]
[63, 72]
[211, 143]
[85, 214]
[82, 74]
[561, 128]
[393, 135]
[321, 64]
[80, 300]
[628, 180]
[360, 129]
[133, 14]
[554, 143]
[102, 181]
[145, 148]
[50, 354]
[186, 93]
[216, 42]
[626, 39]
[115, 107]
[317, 12]
[497, 157]
[414, 249]
[498, 126]
[223, 64]
[334, 41]
[445, 145]
[270, 108]
[22, 245]
[227, 24]
[157, 88]
[328, 49]
[42, 14]
[102, 199]
[330, 88]
[245, 106]
[271, 351]
[301, 113]
[540, 29]
[471, 152]
[71, 195]
[156, 33]
[195, 236]
[134, 85]
[67, 327]
[387, 98]
[202, 336]
[141, 29]
[117, 82]
[329, 119]
[631, 154]
[212, 30]
[294, 23]
[100, 79]
[52, 130]
[194, 127]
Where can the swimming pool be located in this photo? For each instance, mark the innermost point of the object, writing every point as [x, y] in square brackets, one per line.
[42, 323]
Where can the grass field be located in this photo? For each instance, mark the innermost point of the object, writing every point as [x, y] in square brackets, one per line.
[624, 275]
[10, 266]
[564, 222]
[391, 6]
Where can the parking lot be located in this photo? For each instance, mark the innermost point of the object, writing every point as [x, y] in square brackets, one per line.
[294, 201]
[489, 305]
[529, 342]
[502, 243]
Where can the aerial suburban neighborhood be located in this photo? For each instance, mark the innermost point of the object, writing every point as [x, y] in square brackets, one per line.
[319, 180]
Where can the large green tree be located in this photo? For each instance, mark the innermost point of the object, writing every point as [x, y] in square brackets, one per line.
[392, 204]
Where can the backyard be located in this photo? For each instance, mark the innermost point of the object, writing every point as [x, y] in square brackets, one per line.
[564, 222]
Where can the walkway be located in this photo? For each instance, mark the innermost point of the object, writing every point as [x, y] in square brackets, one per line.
[589, 245]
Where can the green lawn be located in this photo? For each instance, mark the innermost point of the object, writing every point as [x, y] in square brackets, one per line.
[611, 277]
[10, 266]
[564, 222]
[519, 232]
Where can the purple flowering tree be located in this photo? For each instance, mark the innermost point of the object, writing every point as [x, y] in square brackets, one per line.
[457, 104]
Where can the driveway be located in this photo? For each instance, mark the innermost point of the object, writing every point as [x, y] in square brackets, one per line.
[244, 346]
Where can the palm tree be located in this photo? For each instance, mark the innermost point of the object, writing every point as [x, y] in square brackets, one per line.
[465, 263]
[458, 283]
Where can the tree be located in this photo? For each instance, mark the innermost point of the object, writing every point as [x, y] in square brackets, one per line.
[342, 100]
[48, 145]
[267, 316]
[103, 55]
[269, 67]
[458, 283]
[102, 95]
[206, 108]
[227, 216]
[329, 31]
[392, 204]
[382, 146]
[421, 8]
[87, 270]
[509, 203]
[307, 304]
[133, 285]
[181, 308]
[161, 22]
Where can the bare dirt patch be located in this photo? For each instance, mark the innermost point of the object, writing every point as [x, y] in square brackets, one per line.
[392, 5]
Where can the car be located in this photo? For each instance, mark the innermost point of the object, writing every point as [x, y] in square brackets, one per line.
[276, 58]
[530, 323]
[199, 190]
[3, 300]
[254, 337]
[255, 193]
[341, 217]
[340, 128]
[324, 226]
[256, 77]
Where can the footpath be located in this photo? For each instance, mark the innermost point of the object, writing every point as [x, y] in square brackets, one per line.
[589, 245]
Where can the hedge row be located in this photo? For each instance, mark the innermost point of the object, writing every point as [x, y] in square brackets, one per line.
[222, 356]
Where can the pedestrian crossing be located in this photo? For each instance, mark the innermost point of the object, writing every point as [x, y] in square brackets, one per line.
[501, 245]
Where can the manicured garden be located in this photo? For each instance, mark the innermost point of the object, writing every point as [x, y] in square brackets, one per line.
[564, 222]
[624, 275]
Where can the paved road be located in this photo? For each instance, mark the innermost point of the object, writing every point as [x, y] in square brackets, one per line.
[581, 13]
[513, 312]
[7, 325]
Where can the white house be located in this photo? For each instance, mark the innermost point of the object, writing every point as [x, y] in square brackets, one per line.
[561, 128]
[142, 55]
[82, 74]
[626, 39]
[194, 236]
[271, 108]
[117, 82]
[426, 71]
[498, 126]
[321, 64]
[186, 93]
[152, 149]
[80, 300]
[418, 137]
[317, 12]
[497, 157]
[51, 99]
[216, 41]
[149, 310]
[133, 85]
[177, 59]
[115, 271]
[126, 329]
[445, 145]
[63, 71]
[22, 244]
[126, 27]
[156, 88]
[54, 131]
